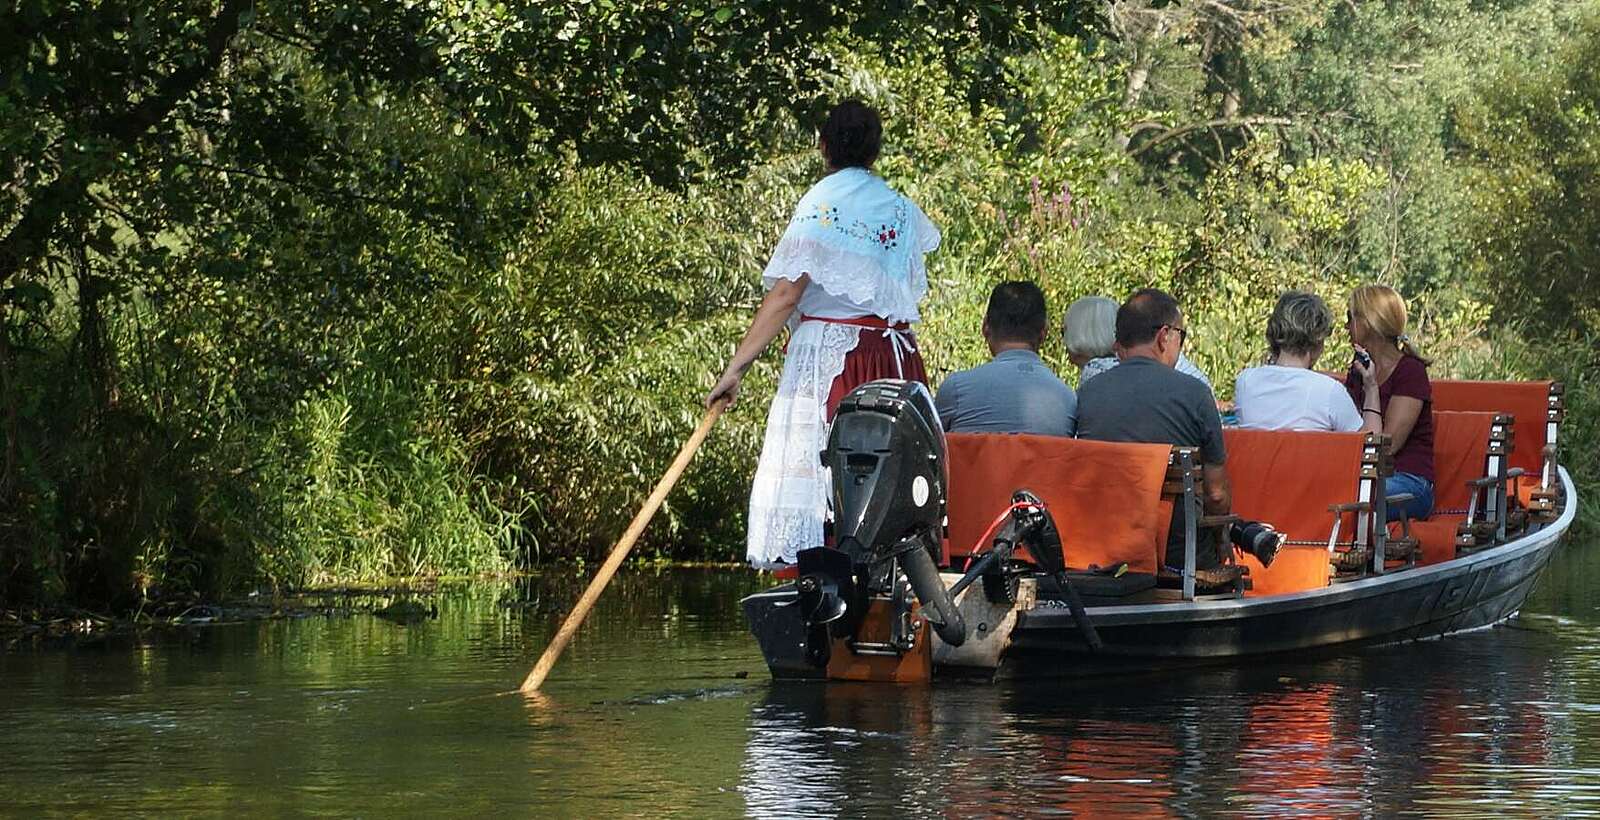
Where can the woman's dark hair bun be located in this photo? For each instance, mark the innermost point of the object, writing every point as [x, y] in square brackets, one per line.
[852, 135]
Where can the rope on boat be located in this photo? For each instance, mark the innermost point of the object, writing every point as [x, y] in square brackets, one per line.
[983, 540]
[1298, 542]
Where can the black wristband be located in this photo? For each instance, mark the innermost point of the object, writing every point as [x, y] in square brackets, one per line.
[1370, 410]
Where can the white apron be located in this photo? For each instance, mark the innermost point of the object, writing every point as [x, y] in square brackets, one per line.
[861, 245]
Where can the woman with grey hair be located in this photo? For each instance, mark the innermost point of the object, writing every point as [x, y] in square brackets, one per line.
[1089, 331]
[1287, 393]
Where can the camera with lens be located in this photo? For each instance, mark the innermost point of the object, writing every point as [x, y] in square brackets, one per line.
[1256, 538]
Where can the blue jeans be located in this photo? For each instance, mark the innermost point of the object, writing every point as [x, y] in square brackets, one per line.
[1416, 485]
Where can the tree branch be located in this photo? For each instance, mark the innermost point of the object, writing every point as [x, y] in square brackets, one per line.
[130, 125]
[137, 225]
[1213, 124]
[292, 41]
[31, 235]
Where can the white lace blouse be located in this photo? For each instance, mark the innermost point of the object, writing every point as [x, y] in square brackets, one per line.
[862, 246]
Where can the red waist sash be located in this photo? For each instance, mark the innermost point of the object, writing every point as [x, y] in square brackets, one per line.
[859, 321]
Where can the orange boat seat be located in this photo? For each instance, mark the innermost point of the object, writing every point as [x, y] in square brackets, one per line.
[1105, 497]
[1537, 407]
[1464, 442]
[1290, 479]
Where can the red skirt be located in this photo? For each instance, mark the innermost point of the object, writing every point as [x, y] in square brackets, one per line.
[874, 356]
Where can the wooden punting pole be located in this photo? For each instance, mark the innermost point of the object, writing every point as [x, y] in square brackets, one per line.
[569, 627]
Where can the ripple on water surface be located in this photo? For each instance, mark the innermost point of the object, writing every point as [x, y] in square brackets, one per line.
[647, 716]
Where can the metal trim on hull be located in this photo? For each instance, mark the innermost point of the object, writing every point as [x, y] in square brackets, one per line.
[1465, 593]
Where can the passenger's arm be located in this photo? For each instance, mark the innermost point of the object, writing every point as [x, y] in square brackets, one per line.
[1219, 495]
[1371, 406]
[945, 401]
[1400, 419]
[769, 319]
[1371, 423]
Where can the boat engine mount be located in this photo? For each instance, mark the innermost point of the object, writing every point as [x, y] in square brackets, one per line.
[886, 454]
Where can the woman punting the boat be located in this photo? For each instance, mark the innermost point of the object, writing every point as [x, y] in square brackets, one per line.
[846, 279]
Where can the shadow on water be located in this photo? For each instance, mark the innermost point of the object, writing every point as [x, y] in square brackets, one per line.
[648, 714]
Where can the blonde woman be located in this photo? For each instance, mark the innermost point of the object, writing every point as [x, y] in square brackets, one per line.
[1385, 355]
[1089, 331]
[1287, 393]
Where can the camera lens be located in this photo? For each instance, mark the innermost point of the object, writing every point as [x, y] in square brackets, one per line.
[1256, 538]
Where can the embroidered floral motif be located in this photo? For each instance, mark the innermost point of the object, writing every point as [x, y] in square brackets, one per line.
[876, 264]
[885, 236]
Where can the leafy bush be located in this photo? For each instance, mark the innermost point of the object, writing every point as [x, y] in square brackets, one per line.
[385, 308]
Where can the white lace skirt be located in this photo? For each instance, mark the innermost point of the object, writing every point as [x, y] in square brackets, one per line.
[790, 494]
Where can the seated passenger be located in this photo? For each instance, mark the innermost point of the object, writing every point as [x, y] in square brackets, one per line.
[1376, 321]
[1287, 393]
[1089, 333]
[1145, 399]
[1015, 392]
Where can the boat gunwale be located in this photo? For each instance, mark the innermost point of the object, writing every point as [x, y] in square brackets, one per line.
[1374, 586]
[1234, 608]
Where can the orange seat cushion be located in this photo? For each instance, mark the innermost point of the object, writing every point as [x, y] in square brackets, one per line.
[1528, 402]
[1525, 488]
[1105, 497]
[1295, 569]
[1289, 478]
[1436, 536]
[1460, 445]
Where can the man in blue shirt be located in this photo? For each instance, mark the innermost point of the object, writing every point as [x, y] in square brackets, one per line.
[1015, 392]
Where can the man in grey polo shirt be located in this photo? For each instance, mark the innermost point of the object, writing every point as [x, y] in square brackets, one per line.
[1145, 399]
[1015, 392]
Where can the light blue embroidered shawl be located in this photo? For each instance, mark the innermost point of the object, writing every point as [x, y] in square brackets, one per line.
[859, 240]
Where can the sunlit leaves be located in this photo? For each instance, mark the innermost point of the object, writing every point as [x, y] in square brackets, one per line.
[1530, 143]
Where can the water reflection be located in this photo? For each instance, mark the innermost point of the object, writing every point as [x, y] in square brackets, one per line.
[1464, 726]
[647, 715]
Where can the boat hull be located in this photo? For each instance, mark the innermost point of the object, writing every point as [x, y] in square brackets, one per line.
[1470, 592]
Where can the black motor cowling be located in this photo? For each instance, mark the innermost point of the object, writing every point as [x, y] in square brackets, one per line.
[886, 454]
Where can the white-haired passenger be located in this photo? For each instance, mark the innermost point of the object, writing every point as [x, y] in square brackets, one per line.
[1089, 331]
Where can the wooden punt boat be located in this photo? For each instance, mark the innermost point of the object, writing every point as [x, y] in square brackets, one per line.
[1342, 579]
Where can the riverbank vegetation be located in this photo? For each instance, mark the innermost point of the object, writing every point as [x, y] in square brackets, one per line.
[296, 294]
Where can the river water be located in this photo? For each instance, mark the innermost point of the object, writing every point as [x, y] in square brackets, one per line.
[664, 708]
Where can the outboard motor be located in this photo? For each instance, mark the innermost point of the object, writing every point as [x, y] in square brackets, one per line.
[886, 452]
[1029, 525]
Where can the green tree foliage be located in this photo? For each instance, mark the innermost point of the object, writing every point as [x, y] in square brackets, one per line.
[239, 226]
[1374, 82]
[295, 293]
[1534, 163]
[99, 88]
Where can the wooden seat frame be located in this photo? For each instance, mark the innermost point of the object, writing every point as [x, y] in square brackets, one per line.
[1546, 494]
[1489, 522]
[1184, 486]
[1370, 538]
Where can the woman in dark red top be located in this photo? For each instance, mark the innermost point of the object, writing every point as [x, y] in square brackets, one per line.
[1377, 324]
